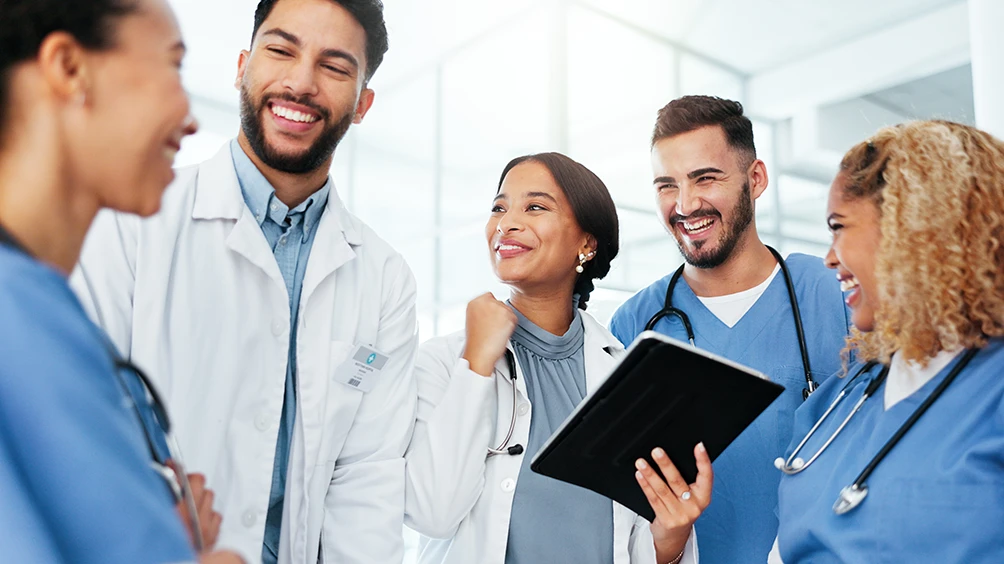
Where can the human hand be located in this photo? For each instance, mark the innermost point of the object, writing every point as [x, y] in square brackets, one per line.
[490, 323]
[676, 504]
[209, 520]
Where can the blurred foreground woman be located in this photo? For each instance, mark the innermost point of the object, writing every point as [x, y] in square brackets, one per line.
[92, 112]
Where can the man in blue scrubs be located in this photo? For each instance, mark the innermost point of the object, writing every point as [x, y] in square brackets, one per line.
[732, 289]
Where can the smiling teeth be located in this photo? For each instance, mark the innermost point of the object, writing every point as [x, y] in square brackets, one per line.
[698, 225]
[848, 284]
[293, 115]
[509, 248]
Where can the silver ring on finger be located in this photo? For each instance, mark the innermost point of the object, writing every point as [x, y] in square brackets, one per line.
[685, 496]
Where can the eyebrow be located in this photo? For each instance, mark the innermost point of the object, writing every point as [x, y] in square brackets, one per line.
[327, 53]
[691, 175]
[702, 171]
[179, 46]
[541, 195]
[545, 195]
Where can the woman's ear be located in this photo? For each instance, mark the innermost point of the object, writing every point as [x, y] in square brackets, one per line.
[63, 64]
[589, 248]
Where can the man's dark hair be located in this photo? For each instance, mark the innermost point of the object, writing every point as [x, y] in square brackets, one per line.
[24, 25]
[369, 14]
[688, 113]
[592, 206]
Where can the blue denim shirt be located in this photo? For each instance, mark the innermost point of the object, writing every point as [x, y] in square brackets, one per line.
[290, 234]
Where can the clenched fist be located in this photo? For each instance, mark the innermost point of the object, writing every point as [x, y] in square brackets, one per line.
[490, 323]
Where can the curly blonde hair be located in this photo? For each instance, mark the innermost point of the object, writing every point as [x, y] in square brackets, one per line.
[939, 187]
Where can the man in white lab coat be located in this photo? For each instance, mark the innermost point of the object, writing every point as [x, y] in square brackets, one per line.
[278, 327]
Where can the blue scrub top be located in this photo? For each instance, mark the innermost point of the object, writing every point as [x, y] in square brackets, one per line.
[741, 523]
[75, 480]
[938, 496]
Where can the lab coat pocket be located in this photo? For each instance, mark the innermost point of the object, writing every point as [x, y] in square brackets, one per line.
[343, 399]
[338, 353]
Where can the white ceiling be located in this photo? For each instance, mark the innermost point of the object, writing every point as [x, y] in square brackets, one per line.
[749, 36]
[946, 95]
[755, 35]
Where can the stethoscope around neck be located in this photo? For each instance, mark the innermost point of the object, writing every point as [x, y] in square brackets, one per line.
[669, 309]
[851, 496]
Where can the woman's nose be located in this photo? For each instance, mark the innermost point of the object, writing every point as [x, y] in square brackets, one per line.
[830, 260]
[508, 223]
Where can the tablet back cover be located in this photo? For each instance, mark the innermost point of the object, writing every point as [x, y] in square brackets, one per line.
[663, 393]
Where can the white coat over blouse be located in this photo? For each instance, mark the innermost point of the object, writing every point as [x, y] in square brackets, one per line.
[458, 498]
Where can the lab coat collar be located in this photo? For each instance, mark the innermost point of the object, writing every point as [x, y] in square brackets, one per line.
[602, 351]
[217, 191]
[218, 196]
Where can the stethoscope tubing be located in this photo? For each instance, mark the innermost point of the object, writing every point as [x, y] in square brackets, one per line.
[180, 478]
[792, 465]
[851, 496]
[908, 424]
[503, 447]
[669, 309]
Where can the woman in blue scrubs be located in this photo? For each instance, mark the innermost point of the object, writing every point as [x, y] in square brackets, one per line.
[917, 474]
[91, 114]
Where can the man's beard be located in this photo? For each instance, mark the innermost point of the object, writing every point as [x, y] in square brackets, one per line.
[742, 217]
[307, 161]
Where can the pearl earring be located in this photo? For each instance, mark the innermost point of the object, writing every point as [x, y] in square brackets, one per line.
[582, 261]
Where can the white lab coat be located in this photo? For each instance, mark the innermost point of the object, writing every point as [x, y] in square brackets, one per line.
[194, 296]
[459, 499]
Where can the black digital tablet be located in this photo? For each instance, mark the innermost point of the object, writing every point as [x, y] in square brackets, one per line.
[663, 393]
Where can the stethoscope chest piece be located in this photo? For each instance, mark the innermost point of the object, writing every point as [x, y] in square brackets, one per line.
[850, 497]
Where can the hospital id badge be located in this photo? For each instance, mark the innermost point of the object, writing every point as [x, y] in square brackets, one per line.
[361, 369]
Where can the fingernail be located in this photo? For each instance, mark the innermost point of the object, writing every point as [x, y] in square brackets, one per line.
[658, 453]
[700, 447]
[640, 464]
[638, 476]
